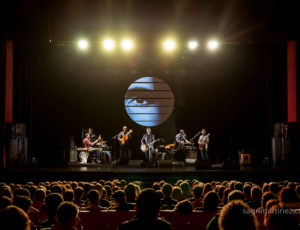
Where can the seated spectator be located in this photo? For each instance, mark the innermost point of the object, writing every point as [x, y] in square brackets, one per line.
[67, 217]
[94, 201]
[6, 191]
[211, 201]
[5, 201]
[103, 202]
[14, 218]
[207, 188]
[266, 197]
[184, 207]
[130, 193]
[68, 195]
[156, 186]
[167, 203]
[78, 195]
[274, 188]
[38, 199]
[120, 202]
[53, 200]
[176, 193]
[281, 219]
[186, 193]
[147, 204]
[247, 192]
[21, 192]
[256, 195]
[225, 195]
[288, 195]
[197, 193]
[236, 195]
[237, 215]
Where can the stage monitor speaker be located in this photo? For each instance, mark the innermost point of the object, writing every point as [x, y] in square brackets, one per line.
[164, 163]
[202, 165]
[135, 164]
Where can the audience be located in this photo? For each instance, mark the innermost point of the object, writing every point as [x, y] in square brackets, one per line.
[148, 205]
[14, 218]
[55, 205]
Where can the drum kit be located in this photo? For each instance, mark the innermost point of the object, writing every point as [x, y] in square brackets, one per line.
[104, 153]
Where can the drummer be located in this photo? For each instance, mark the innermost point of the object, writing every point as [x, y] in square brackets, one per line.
[88, 144]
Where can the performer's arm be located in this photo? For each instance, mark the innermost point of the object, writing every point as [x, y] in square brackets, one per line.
[120, 136]
[93, 143]
[143, 140]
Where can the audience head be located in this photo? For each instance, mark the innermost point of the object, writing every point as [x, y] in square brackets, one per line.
[288, 195]
[197, 191]
[176, 193]
[68, 195]
[5, 201]
[130, 193]
[94, 196]
[256, 193]
[119, 196]
[281, 219]
[266, 197]
[15, 218]
[184, 207]
[211, 201]
[236, 195]
[22, 202]
[167, 190]
[67, 215]
[237, 215]
[53, 200]
[147, 204]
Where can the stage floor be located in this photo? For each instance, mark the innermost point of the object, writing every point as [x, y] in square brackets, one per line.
[94, 172]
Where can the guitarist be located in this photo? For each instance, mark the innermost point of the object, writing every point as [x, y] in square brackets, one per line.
[203, 145]
[147, 138]
[125, 151]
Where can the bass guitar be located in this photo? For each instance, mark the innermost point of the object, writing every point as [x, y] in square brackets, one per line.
[124, 139]
[145, 147]
[203, 142]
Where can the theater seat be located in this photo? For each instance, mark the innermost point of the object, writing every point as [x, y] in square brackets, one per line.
[199, 219]
[177, 220]
[94, 220]
[116, 218]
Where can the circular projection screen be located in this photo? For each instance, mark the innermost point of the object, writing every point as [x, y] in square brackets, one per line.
[149, 101]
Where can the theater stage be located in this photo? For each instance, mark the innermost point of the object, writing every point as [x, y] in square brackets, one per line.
[147, 175]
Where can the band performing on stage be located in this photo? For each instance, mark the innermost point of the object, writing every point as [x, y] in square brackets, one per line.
[153, 149]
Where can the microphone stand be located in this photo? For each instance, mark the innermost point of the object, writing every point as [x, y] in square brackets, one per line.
[115, 147]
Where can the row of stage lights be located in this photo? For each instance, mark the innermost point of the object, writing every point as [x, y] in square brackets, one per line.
[128, 45]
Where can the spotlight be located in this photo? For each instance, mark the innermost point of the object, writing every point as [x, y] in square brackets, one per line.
[109, 44]
[193, 45]
[169, 45]
[213, 44]
[83, 44]
[127, 44]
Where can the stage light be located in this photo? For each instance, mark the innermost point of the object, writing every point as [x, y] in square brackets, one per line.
[169, 45]
[109, 44]
[193, 45]
[212, 45]
[83, 44]
[127, 44]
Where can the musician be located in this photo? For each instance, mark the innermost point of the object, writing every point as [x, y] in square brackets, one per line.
[89, 144]
[125, 151]
[203, 145]
[147, 138]
[180, 141]
[93, 136]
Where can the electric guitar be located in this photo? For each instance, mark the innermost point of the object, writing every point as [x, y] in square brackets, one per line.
[124, 139]
[145, 147]
[203, 142]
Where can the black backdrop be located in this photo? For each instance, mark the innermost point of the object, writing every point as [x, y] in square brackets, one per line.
[236, 93]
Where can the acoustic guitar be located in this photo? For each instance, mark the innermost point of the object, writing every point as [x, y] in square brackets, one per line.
[203, 142]
[124, 139]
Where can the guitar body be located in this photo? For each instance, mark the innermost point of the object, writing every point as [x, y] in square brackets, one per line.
[203, 142]
[144, 148]
[124, 139]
